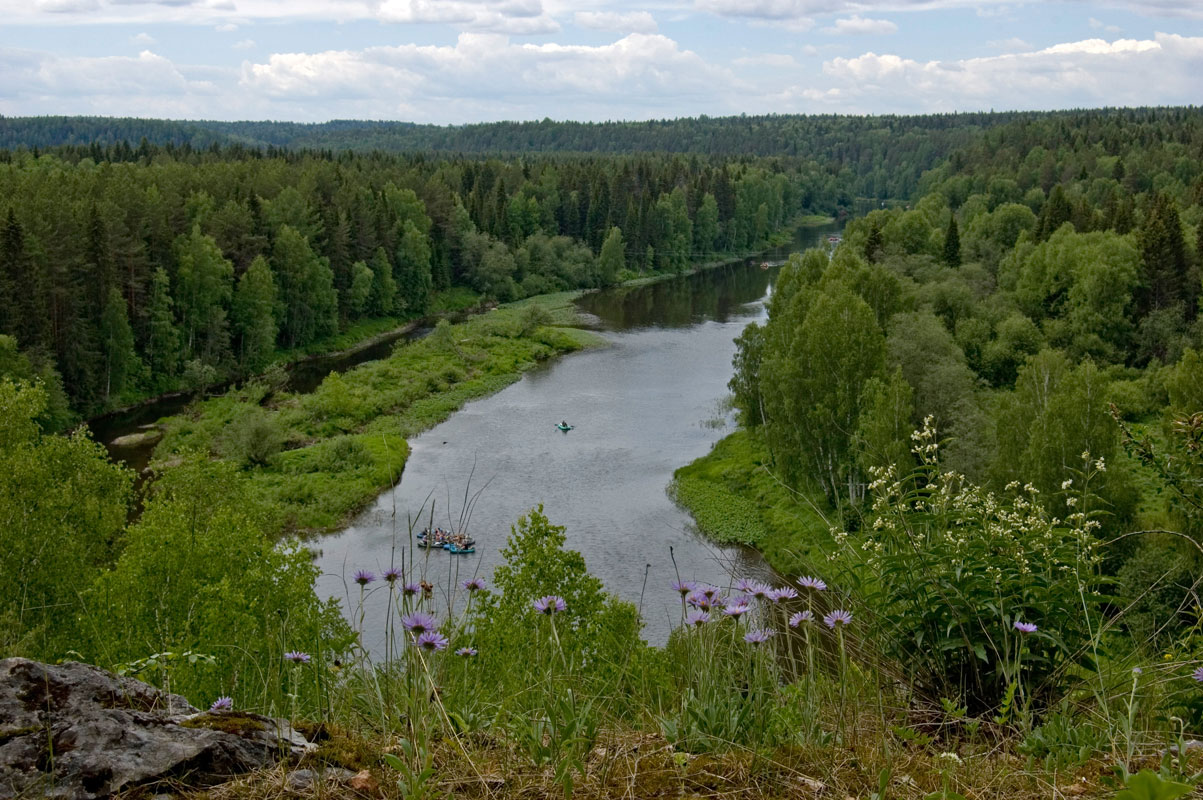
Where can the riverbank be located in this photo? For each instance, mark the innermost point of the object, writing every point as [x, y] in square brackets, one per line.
[735, 498]
[314, 460]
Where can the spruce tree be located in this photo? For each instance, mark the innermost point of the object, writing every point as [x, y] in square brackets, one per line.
[952, 243]
[117, 344]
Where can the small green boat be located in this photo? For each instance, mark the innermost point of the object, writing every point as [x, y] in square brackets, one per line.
[564, 427]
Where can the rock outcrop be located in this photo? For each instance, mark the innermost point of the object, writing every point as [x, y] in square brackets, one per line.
[76, 731]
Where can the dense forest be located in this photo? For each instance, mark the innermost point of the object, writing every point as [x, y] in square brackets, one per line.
[971, 440]
[126, 272]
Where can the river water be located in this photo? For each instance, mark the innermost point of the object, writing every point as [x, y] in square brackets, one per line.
[645, 404]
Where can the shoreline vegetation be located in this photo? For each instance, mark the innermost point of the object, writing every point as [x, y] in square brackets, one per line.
[317, 459]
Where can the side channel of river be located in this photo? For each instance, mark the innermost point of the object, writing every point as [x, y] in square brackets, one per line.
[642, 406]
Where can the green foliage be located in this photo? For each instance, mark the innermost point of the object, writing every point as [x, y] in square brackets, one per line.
[62, 508]
[946, 568]
[201, 571]
[253, 438]
[1148, 785]
[721, 514]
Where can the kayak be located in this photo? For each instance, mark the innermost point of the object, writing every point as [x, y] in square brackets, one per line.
[460, 550]
[565, 428]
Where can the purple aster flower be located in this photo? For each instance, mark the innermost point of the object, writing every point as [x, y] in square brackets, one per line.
[683, 587]
[1138, 671]
[363, 577]
[745, 585]
[698, 600]
[410, 589]
[431, 641]
[784, 593]
[800, 617]
[1025, 627]
[466, 652]
[474, 584]
[392, 574]
[697, 618]
[222, 704]
[737, 609]
[758, 637]
[710, 592]
[296, 657]
[419, 623]
[550, 604]
[1198, 674]
[838, 617]
[807, 582]
[761, 591]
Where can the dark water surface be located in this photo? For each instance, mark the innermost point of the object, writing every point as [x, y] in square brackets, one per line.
[643, 406]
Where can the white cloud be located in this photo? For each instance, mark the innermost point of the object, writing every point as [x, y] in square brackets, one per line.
[1092, 72]
[760, 9]
[633, 22]
[857, 26]
[143, 39]
[1012, 45]
[243, 44]
[775, 60]
[518, 17]
[62, 6]
[225, 27]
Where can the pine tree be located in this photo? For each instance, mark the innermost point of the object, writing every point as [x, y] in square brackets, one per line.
[1163, 254]
[163, 338]
[117, 344]
[952, 243]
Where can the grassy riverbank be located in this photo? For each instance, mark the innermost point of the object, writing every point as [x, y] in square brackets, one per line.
[314, 460]
[735, 499]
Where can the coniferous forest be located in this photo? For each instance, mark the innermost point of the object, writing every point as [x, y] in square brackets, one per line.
[969, 444]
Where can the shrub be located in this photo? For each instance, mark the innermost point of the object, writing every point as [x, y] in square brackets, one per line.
[946, 569]
[253, 438]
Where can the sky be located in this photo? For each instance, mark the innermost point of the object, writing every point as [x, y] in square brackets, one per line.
[462, 61]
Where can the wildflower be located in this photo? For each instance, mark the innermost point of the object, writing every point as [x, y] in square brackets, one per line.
[800, 617]
[411, 588]
[697, 618]
[550, 604]
[1137, 671]
[1198, 674]
[737, 609]
[431, 641]
[757, 637]
[222, 704]
[419, 622]
[950, 756]
[392, 574]
[838, 617]
[466, 652]
[296, 657]
[807, 582]
[1025, 627]
[761, 590]
[363, 577]
[783, 593]
[474, 584]
[709, 592]
[683, 588]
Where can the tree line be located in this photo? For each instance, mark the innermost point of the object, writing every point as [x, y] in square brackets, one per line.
[126, 272]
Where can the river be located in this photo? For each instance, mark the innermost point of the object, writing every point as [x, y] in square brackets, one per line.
[645, 404]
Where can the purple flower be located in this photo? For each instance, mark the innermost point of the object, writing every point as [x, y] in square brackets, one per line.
[800, 617]
[709, 592]
[431, 641]
[296, 657]
[466, 652]
[419, 622]
[683, 587]
[761, 591]
[392, 574]
[1198, 674]
[807, 582]
[1025, 627]
[737, 609]
[363, 577]
[697, 618]
[474, 584]
[745, 585]
[222, 704]
[758, 637]
[784, 593]
[837, 617]
[550, 604]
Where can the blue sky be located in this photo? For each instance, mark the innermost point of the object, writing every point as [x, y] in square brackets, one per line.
[457, 61]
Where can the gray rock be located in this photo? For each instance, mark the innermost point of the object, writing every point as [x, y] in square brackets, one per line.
[300, 780]
[74, 731]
